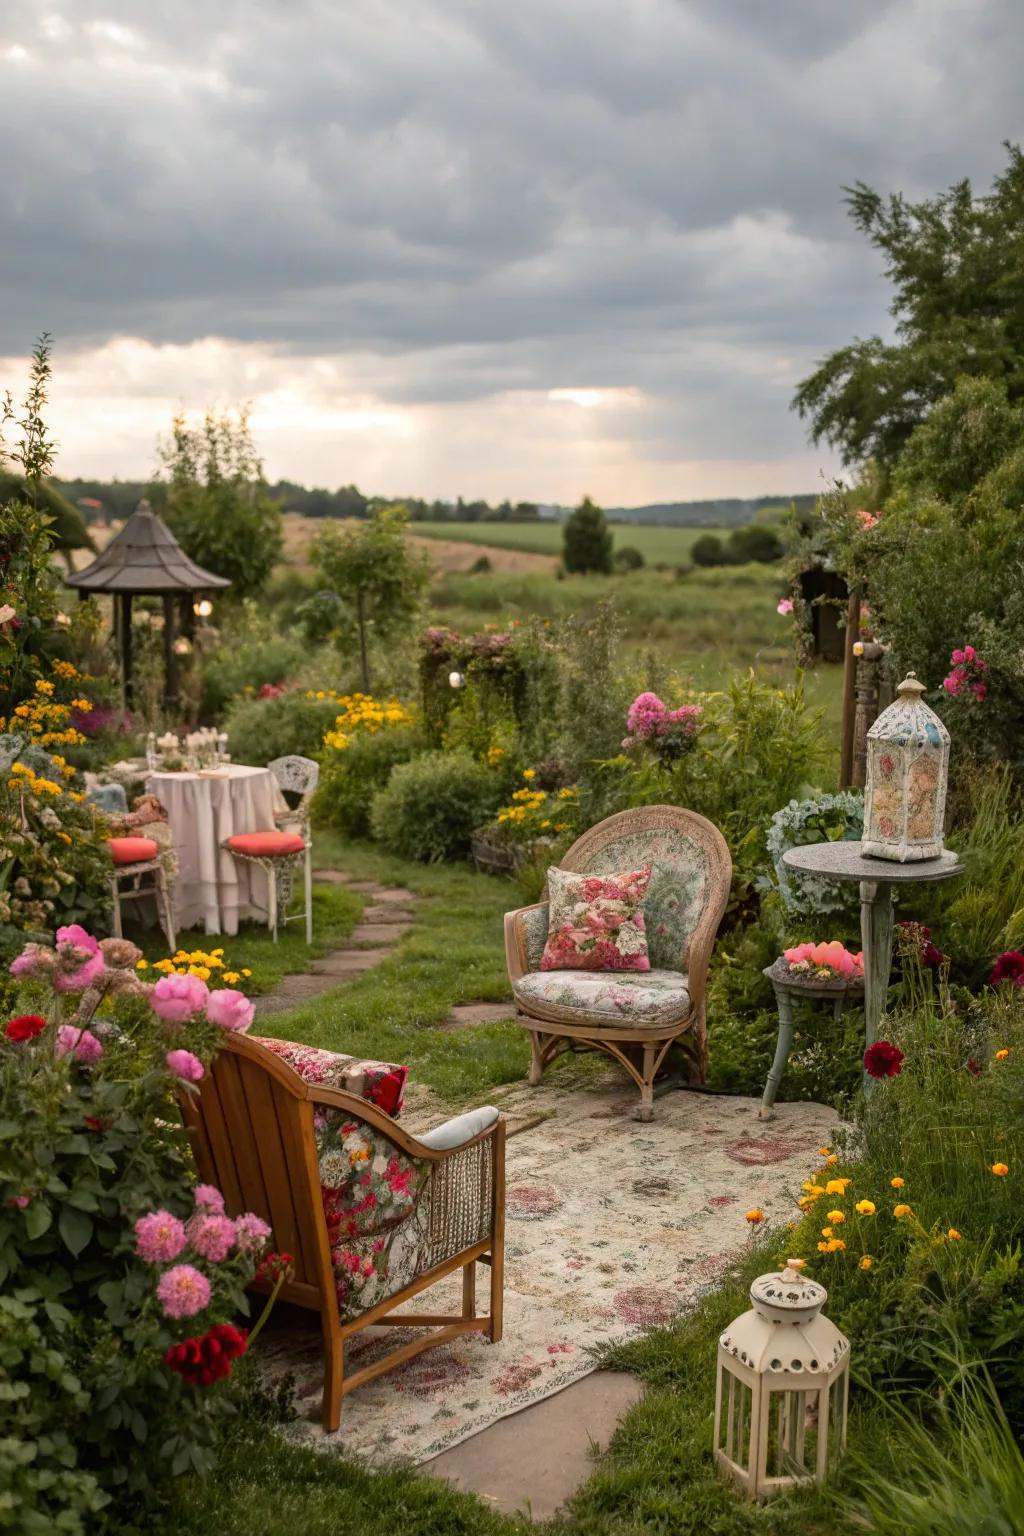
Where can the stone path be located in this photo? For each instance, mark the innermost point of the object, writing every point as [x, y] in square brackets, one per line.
[386, 916]
[533, 1461]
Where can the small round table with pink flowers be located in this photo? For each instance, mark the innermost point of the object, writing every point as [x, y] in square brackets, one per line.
[877, 880]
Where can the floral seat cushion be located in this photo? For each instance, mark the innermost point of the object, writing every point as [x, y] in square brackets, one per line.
[380, 1082]
[623, 998]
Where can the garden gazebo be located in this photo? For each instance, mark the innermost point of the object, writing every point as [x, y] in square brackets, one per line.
[145, 559]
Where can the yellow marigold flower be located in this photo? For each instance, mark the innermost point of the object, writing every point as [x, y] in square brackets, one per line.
[529, 773]
[824, 1151]
[64, 837]
[867, 1262]
[953, 1235]
[142, 965]
[897, 1182]
[836, 1217]
[754, 1216]
[81, 704]
[545, 823]
[805, 1202]
[1002, 1055]
[865, 1207]
[832, 1158]
[43, 685]
[837, 1186]
[231, 977]
[814, 1189]
[836, 1245]
[823, 1247]
[246, 971]
[1000, 1170]
[202, 971]
[899, 1211]
[827, 1232]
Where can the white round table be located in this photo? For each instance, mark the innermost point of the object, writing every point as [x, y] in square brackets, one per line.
[214, 890]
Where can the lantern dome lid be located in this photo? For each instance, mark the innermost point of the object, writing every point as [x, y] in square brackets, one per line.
[909, 721]
[789, 1297]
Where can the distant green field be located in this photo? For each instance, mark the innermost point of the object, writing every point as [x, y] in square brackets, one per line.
[671, 545]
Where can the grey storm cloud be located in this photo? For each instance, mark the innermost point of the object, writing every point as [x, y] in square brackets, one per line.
[475, 196]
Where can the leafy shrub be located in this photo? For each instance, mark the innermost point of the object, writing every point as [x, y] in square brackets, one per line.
[708, 550]
[91, 1141]
[628, 558]
[260, 729]
[587, 540]
[252, 651]
[350, 778]
[432, 805]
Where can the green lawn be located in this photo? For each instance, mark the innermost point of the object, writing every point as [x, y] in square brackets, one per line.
[671, 545]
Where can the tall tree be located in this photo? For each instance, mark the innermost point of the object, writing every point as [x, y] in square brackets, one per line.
[217, 500]
[956, 263]
[376, 572]
[587, 540]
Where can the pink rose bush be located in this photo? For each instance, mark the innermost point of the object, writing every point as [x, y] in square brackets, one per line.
[177, 998]
[667, 732]
[227, 1008]
[784, 605]
[185, 1066]
[965, 678]
[824, 962]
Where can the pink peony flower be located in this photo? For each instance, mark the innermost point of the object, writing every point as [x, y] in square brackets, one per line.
[211, 1236]
[866, 519]
[208, 1198]
[784, 605]
[34, 960]
[250, 1233]
[177, 998]
[79, 959]
[159, 1237]
[183, 1291]
[230, 1009]
[184, 1065]
[82, 1042]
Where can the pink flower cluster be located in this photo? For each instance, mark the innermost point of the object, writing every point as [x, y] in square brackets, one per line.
[866, 519]
[825, 962]
[784, 605]
[175, 999]
[161, 1237]
[650, 720]
[965, 675]
[75, 961]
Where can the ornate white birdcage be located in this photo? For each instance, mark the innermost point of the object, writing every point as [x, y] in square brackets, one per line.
[782, 1388]
[907, 770]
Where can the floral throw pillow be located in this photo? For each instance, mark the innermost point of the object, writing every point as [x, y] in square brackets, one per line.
[596, 922]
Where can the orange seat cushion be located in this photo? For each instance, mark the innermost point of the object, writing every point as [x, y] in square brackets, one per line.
[132, 850]
[266, 845]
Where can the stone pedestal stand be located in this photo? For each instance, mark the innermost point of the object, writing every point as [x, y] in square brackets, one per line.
[787, 987]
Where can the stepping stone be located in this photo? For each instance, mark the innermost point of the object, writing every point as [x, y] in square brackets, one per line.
[330, 877]
[292, 992]
[348, 962]
[388, 912]
[533, 1461]
[395, 893]
[465, 1015]
[369, 886]
[378, 933]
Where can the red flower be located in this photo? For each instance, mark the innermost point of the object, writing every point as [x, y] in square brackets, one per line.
[25, 1027]
[972, 1067]
[883, 1059]
[201, 1362]
[1009, 967]
[273, 1265]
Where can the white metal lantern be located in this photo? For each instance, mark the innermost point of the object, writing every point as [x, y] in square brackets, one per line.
[783, 1386]
[908, 766]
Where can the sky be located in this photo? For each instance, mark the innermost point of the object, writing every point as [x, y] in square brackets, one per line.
[449, 247]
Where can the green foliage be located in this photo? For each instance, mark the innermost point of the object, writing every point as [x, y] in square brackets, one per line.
[432, 805]
[261, 729]
[374, 570]
[628, 558]
[65, 521]
[757, 542]
[708, 550]
[508, 695]
[217, 500]
[587, 540]
[956, 263]
[252, 650]
[349, 779]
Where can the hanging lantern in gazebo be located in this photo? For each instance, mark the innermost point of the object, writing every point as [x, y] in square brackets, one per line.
[782, 1389]
[905, 793]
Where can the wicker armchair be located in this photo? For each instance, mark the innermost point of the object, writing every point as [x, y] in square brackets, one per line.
[272, 1134]
[633, 1015]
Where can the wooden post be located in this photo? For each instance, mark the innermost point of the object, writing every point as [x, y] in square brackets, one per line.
[125, 620]
[849, 690]
[170, 657]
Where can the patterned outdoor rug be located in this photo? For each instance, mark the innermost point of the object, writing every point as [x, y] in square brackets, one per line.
[612, 1226]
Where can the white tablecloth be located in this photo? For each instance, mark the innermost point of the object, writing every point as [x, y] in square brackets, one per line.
[215, 890]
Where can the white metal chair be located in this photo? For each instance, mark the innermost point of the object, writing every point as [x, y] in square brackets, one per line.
[132, 858]
[277, 850]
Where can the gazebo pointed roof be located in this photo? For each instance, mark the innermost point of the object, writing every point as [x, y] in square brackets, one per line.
[144, 557]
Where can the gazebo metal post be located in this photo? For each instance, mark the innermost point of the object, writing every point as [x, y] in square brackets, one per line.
[124, 608]
[170, 656]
